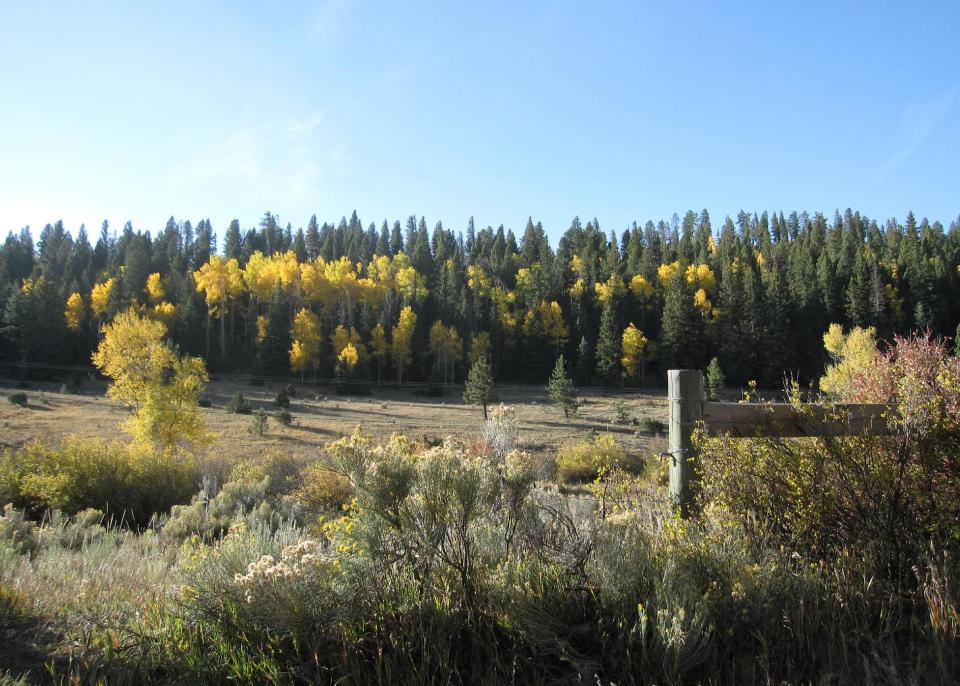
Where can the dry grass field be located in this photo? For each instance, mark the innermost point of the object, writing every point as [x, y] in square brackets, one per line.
[321, 416]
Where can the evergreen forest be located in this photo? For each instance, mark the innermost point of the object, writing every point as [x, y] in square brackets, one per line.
[403, 302]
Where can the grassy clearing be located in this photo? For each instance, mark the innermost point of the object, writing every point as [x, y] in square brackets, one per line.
[319, 415]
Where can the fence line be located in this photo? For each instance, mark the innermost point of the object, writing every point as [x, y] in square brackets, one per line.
[688, 410]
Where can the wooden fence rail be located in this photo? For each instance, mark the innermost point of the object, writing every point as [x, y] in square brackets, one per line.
[688, 408]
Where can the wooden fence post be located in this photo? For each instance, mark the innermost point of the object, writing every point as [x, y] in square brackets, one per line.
[685, 393]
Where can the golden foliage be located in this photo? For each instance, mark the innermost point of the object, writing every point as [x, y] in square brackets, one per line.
[851, 353]
[75, 311]
[160, 388]
[100, 296]
[633, 345]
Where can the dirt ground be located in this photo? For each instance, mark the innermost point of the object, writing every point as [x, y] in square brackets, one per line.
[321, 416]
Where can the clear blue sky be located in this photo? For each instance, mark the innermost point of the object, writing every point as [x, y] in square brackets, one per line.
[624, 111]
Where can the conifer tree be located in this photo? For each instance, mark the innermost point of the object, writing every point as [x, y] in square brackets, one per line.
[562, 392]
[479, 389]
[682, 332]
[608, 344]
[715, 379]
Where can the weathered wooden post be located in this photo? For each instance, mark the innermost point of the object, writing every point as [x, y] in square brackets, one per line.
[685, 395]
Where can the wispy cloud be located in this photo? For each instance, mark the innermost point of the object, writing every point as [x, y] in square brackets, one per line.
[306, 125]
[918, 121]
[328, 18]
[288, 159]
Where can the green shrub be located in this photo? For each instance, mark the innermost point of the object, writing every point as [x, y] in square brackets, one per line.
[130, 482]
[654, 426]
[620, 407]
[237, 405]
[258, 422]
[16, 532]
[290, 390]
[283, 417]
[281, 399]
[583, 461]
[19, 399]
[885, 499]
[254, 495]
[203, 401]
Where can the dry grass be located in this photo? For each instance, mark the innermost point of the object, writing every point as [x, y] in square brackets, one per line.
[321, 416]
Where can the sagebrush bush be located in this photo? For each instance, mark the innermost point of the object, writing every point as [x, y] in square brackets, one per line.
[237, 405]
[583, 461]
[323, 491]
[19, 399]
[16, 532]
[255, 494]
[132, 482]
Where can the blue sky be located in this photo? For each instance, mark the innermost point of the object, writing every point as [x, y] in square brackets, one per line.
[622, 111]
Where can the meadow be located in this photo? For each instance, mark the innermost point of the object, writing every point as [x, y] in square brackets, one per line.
[432, 546]
[320, 415]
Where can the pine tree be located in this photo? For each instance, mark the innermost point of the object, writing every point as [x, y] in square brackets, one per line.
[479, 389]
[715, 379]
[682, 332]
[562, 392]
[608, 344]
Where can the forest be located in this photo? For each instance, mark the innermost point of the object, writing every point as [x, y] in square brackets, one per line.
[404, 303]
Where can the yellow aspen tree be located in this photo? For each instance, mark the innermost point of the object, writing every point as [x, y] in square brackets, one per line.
[633, 345]
[402, 343]
[554, 326]
[261, 328]
[155, 289]
[666, 272]
[338, 340]
[165, 312]
[850, 353]
[75, 312]
[347, 359]
[221, 282]
[379, 347]
[479, 347]
[160, 389]
[641, 288]
[100, 298]
[305, 347]
[445, 345]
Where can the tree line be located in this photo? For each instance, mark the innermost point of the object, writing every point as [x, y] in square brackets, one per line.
[403, 302]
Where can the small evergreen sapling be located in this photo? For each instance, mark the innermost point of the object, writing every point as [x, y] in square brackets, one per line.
[479, 388]
[562, 392]
[715, 379]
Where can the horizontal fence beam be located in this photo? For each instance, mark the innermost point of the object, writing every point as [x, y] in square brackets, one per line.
[753, 420]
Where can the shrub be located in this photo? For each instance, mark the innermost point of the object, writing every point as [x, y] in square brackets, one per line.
[19, 399]
[500, 431]
[16, 532]
[654, 426]
[253, 495]
[237, 405]
[585, 460]
[290, 390]
[283, 417]
[204, 402]
[132, 482]
[258, 422]
[620, 407]
[323, 491]
[281, 399]
[886, 499]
